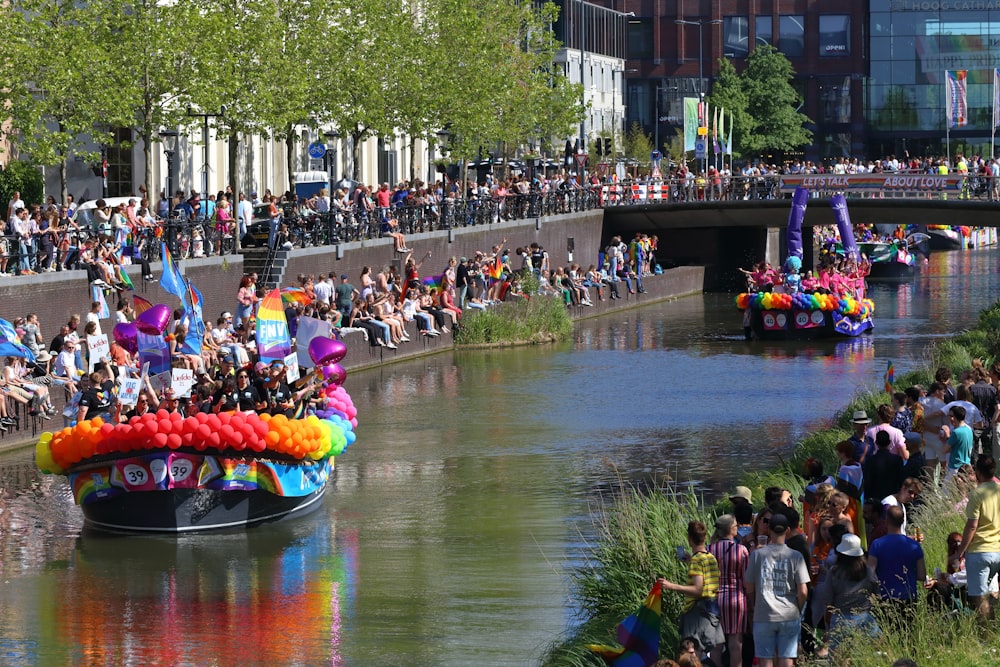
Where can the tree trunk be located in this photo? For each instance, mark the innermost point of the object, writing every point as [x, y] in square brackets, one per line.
[234, 146]
[62, 179]
[233, 156]
[356, 155]
[413, 158]
[290, 157]
[147, 156]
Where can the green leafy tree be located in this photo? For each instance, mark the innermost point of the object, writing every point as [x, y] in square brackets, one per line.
[64, 87]
[729, 94]
[772, 120]
[638, 145]
[24, 177]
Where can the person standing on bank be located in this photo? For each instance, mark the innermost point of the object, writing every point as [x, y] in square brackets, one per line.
[700, 618]
[776, 584]
[981, 538]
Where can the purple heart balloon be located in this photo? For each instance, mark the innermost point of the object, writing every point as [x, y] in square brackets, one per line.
[154, 321]
[334, 374]
[325, 351]
[125, 334]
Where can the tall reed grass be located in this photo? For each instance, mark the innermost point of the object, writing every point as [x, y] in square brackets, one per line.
[538, 320]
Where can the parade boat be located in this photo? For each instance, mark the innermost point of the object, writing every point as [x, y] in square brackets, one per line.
[165, 473]
[789, 312]
[889, 261]
[943, 237]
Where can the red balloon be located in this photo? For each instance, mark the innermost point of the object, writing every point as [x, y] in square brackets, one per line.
[203, 432]
[187, 438]
[202, 417]
[214, 440]
[173, 441]
[160, 440]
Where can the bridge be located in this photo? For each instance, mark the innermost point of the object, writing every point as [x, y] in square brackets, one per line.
[729, 232]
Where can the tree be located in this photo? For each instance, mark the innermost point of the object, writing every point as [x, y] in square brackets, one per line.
[773, 122]
[728, 93]
[64, 87]
[638, 145]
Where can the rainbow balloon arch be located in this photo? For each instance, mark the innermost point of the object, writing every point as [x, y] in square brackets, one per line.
[271, 465]
[773, 315]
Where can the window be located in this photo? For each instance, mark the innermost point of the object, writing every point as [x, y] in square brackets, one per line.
[834, 35]
[640, 39]
[791, 36]
[736, 33]
[120, 163]
[763, 31]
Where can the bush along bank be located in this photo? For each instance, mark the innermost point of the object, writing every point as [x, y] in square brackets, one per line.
[521, 322]
[636, 535]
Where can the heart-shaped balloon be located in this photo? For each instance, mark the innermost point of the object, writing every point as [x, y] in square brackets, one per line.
[324, 351]
[154, 321]
[125, 334]
[334, 374]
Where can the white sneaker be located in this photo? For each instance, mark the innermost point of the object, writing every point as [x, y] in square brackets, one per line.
[391, 346]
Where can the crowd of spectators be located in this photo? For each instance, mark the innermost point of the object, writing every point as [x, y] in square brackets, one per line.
[773, 577]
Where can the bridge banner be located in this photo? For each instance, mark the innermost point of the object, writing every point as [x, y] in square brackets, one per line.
[872, 182]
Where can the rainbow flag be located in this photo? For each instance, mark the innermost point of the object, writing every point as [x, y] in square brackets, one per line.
[639, 636]
[171, 280]
[141, 305]
[123, 276]
[434, 282]
[889, 377]
[496, 268]
[274, 342]
[97, 294]
[195, 322]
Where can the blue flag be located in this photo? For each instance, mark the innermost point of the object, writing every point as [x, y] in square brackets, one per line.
[194, 319]
[171, 281]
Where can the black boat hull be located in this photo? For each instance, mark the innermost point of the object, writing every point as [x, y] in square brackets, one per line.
[192, 510]
[802, 325]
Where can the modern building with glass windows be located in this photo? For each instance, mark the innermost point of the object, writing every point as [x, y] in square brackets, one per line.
[871, 72]
[912, 44]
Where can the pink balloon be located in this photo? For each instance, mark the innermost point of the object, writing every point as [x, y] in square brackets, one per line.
[334, 374]
[125, 335]
[154, 321]
[324, 351]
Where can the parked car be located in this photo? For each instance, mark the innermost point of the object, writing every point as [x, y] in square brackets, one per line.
[259, 229]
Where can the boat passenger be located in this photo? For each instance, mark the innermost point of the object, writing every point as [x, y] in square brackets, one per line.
[98, 400]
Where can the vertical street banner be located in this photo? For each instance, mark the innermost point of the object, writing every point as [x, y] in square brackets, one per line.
[729, 137]
[715, 131]
[996, 97]
[956, 103]
[690, 122]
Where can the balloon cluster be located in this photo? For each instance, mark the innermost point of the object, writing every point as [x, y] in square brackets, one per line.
[239, 431]
[152, 321]
[816, 301]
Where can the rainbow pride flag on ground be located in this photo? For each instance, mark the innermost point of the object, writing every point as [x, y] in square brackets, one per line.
[639, 636]
[890, 377]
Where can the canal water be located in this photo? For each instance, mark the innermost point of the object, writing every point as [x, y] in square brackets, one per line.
[448, 531]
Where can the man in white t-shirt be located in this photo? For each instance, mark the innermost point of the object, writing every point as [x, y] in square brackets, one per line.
[324, 289]
[934, 419]
[244, 214]
[94, 316]
[64, 369]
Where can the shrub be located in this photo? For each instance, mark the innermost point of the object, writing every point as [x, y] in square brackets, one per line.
[24, 177]
[537, 320]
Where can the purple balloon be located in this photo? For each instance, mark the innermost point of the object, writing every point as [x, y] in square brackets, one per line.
[334, 374]
[324, 351]
[125, 334]
[154, 321]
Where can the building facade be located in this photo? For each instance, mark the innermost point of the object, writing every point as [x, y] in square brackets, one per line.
[871, 73]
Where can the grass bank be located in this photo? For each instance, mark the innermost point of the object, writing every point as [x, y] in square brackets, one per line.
[521, 322]
[636, 534]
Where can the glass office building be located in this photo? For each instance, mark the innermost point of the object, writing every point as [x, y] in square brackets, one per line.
[912, 43]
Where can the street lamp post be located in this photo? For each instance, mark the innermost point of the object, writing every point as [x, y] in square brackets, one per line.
[332, 139]
[701, 79]
[169, 138]
[204, 169]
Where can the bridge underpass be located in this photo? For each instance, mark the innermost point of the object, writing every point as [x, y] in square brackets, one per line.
[726, 235]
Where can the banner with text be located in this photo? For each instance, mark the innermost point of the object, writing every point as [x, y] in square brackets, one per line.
[874, 183]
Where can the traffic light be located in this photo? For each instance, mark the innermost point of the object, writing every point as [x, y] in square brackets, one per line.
[607, 146]
[600, 147]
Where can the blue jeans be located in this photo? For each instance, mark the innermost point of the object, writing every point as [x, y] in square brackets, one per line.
[385, 330]
[779, 638]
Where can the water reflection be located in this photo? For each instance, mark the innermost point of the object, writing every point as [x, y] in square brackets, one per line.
[275, 596]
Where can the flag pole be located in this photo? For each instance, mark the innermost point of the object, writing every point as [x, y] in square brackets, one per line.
[947, 118]
[996, 114]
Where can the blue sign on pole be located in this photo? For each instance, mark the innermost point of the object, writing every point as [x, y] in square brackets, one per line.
[317, 150]
[700, 150]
